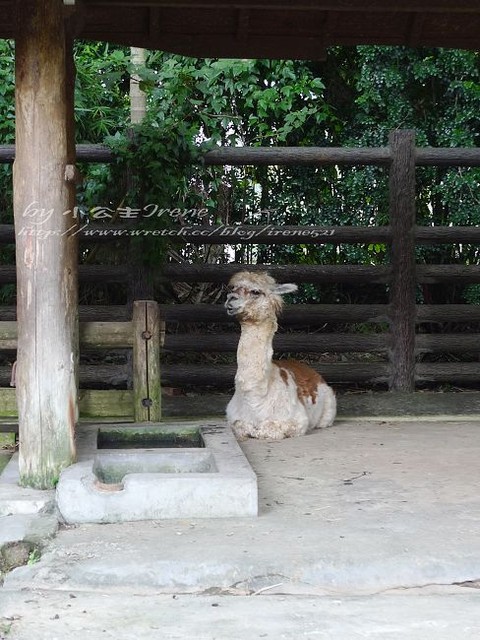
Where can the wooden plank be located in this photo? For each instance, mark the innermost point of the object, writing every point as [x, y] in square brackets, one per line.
[84, 153]
[302, 314]
[93, 274]
[87, 313]
[446, 235]
[8, 335]
[290, 343]
[108, 403]
[449, 372]
[445, 157]
[104, 335]
[456, 273]
[315, 156]
[227, 234]
[441, 313]
[404, 6]
[424, 156]
[146, 361]
[90, 375]
[298, 273]
[8, 403]
[305, 314]
[94, 153]
[222, 376]
[92, 403]
[89, 274]
[366, 404]
[402, 292]
[47, 258]
[447, 343]
[268, 234]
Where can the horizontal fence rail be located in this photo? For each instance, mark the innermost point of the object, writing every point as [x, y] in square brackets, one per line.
[221, 273]
[119, 335]
[301, 314]
[266, 234]
[222, 376]
[424, 156]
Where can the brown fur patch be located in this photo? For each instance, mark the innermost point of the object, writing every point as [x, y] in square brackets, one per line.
[306, 378]
[283, 373]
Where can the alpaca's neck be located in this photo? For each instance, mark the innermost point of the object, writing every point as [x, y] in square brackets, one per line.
[254, 356]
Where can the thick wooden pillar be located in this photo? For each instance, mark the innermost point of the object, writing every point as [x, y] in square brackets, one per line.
[402, 292]
[46, 250]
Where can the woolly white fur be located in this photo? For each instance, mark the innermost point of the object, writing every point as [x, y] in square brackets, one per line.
[267, 402]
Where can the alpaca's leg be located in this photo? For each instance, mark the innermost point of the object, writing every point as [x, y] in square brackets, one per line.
[277, 430]
[266, 430]
[329, 408]
[242, 430]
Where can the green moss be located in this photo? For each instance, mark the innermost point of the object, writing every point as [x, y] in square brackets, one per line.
[148, 438]
[4, 458]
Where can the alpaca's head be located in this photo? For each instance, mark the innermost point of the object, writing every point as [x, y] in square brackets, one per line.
[255, 297]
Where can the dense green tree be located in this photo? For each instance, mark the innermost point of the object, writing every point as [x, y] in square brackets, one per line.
[353, 98]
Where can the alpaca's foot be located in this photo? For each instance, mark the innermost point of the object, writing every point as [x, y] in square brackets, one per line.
[241, 430]
[268, 430]
[329, 409]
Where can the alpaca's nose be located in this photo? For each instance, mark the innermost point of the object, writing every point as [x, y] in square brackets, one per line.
[230, 302]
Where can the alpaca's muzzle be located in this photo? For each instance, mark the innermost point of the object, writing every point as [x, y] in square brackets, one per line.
[230, 305]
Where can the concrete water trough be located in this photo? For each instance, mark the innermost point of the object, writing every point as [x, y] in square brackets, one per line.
[156, 471]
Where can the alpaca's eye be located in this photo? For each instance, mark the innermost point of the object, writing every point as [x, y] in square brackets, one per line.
[256, 292]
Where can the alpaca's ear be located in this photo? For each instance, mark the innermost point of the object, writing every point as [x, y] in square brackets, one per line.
[282, 289]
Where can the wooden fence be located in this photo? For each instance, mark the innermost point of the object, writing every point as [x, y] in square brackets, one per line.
[143, 334]
[396, 337]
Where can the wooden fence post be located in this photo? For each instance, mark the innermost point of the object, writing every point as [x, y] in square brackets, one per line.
[46, 245]
[148, 330]
[402, 290]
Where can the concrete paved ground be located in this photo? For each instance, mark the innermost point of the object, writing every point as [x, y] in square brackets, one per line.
[102, 616]
[367, 529]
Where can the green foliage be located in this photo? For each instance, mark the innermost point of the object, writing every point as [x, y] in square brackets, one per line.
[101, 90]
[248, 102]
[472, 294]
[7, 128]
[7, 136]
[7, 92]
[354, 98]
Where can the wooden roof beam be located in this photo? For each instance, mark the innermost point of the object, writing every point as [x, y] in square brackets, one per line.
[396, 6]
[416, 28]
[243, 25]
[225, 45]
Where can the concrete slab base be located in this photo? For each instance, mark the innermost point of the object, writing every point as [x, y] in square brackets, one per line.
[17, 500]
[110, 485]
[76, 615]
[365, 530]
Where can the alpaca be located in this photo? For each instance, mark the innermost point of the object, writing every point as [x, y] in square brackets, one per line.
[272, 399]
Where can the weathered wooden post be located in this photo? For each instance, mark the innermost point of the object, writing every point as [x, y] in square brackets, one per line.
[402, 291]
[148, 330]
[46, 247]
